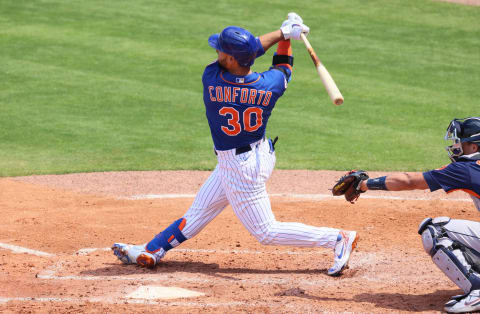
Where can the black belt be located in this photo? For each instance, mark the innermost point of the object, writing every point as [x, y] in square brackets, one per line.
[247, 148]
[240, 150]
[243, 149]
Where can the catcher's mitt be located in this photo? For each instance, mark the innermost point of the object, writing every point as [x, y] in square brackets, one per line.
[349, 185]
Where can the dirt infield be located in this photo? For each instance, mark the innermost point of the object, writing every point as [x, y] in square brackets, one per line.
[56, 230]
[465, 2]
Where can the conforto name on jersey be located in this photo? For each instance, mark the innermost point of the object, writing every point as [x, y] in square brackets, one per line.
[250, 96]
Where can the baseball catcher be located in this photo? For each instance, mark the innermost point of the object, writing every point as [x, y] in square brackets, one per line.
[453, 244]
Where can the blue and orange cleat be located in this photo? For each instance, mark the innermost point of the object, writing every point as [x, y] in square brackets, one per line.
[136, 254]
[346, 243]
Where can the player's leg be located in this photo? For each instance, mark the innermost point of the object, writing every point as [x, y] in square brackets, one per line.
[244, 180]
[452, 245]
[208, 203]
[464, 231]
[258, 218]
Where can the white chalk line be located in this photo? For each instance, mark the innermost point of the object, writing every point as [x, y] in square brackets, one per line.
[305, 196]
[19, 249]
[86, 251]
[142, 301]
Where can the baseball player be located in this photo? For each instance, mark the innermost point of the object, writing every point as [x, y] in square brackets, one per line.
[238, 104]
[453, 244]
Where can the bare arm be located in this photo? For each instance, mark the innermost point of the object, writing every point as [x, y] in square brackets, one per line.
[402, 181]
[270, 39]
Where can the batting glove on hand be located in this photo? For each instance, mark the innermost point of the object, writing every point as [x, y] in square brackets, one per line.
[293, 26]
[292, 16]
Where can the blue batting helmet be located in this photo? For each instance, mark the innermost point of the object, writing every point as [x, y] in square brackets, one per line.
[237, 42]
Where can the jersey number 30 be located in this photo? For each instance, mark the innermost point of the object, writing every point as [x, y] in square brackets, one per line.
[234, 126]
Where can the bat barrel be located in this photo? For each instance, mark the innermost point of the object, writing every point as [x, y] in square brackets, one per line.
[326, 78]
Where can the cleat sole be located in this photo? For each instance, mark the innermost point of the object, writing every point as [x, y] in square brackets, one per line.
[145, 261]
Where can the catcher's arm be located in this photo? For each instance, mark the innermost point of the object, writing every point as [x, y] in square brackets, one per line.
[403, 181]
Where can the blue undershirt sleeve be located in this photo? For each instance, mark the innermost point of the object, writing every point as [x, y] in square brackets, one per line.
[260, 51]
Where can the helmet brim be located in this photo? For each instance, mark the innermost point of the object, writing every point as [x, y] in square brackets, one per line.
[213, 41]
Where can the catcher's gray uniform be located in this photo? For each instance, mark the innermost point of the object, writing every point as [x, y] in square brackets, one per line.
[454, 244]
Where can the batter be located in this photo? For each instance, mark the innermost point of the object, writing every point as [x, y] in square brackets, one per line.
[238, 104]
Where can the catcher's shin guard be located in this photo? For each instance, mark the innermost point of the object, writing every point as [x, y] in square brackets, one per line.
[448, 255]
[168, 238]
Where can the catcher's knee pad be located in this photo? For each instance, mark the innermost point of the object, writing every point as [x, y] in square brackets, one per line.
[453, 258]
[437, 222]
[430, 230]
[168, 238]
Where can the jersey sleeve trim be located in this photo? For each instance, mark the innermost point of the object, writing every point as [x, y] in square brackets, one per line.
[466, 191]
[260, 51]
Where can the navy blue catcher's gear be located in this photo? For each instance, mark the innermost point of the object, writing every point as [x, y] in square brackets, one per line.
[237, 42]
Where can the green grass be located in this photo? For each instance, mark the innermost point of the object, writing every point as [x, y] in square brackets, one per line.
[116, 85]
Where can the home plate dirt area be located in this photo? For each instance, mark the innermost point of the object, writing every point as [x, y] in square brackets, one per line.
[56, 232]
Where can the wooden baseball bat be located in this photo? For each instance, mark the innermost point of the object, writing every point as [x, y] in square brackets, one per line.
[327, 79]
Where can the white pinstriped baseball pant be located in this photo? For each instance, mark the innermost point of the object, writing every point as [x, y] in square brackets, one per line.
[239, 180]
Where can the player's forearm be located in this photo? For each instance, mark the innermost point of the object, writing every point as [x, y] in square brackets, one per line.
[397, 182]
[406, 181]
[270, 39]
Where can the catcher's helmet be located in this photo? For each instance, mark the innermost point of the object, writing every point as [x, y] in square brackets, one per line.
[460, 131]
[237, 42]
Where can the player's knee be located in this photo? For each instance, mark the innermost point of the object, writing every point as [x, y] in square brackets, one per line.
[430, 231]
[265, 236]
[265, 240]
[169, 238]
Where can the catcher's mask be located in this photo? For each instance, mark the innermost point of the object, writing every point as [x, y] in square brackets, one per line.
[460, 131]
